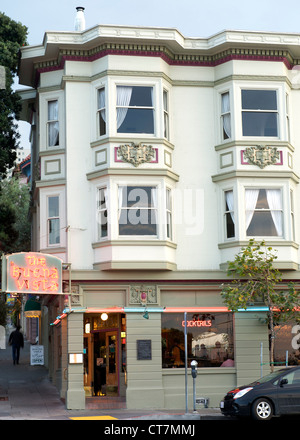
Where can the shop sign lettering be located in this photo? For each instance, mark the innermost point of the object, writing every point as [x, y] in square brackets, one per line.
[29, 272]
[197, 323]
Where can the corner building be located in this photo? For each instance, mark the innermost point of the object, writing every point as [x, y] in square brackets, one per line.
[155, 158]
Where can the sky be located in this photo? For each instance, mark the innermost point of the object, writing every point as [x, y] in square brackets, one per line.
[193, 18]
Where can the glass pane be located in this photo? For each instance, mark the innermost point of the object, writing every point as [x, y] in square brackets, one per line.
[259, 124]
[112, 354]
[54, 231]
[262, 224]
[138, 196]
[229, 226]
[53, 206]
[210, 339]
[259, 100]
[137, 222]
[138, 121]
[141, 97]
[102, 123]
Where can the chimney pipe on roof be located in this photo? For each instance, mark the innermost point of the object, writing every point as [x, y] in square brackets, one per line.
[79, 19]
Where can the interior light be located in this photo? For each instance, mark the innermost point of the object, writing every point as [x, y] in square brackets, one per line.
[104, 316]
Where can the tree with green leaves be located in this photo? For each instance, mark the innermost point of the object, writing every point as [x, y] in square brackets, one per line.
[13, 35]
[256, 281]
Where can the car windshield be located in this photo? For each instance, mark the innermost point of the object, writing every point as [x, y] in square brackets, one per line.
[266, 378]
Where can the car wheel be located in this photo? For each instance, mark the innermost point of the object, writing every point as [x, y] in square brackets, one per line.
[262, 409]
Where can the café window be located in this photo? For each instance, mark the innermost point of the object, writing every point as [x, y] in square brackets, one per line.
[287, 345]
[209, 340]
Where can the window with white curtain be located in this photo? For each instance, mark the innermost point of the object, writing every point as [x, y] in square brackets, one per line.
[259, 113]
[137, 210]
[229, 214]
[264, 214]
[53, 220]
[53, 123]
[225, 116]
[101, 111]
[135, 109]
[102, 213]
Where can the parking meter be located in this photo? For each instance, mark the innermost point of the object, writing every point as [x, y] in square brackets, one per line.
[194, 365]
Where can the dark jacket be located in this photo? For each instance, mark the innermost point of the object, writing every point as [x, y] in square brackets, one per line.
[16, 338]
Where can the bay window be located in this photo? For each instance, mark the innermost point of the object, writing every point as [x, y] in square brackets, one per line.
[264, 215]
[135, 110]
[166, 114]
[259, 113]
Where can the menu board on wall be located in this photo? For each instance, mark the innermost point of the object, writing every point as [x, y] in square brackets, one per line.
[143, 347]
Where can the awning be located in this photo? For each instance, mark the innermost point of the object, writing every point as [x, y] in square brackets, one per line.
[32, 309]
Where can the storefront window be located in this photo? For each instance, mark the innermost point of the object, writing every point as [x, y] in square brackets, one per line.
[287, 345]
[209, 340]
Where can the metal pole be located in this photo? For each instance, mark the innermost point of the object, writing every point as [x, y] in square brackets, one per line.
[185, 358]
[261, 359]
[286, 358]
[194, 395]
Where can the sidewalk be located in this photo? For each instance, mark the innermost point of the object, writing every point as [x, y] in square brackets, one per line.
[26, 393]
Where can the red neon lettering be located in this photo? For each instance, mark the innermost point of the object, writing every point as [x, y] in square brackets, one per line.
[197, 323]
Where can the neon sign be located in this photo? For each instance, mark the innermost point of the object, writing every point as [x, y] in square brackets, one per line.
[37, 273]
[197, 323]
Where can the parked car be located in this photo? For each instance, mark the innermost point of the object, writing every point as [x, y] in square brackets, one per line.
[276, 394]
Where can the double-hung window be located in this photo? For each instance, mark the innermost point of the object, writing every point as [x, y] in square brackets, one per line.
[101, 111]
[53, 124]
[264, 213]
[137, 210]
[53, 220]
[102, 213]
[135, 109]
[259, 113]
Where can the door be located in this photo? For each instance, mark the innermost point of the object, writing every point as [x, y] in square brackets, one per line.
[112, 371]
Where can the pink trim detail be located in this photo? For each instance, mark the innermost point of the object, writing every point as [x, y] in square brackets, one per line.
[243, 162]
[122, 161]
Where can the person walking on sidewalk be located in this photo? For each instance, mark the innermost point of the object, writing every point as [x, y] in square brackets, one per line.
[16, 340]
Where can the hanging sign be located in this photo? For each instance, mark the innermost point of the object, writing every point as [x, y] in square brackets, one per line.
[32, 272]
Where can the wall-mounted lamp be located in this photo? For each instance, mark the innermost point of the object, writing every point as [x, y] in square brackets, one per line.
[146, 314]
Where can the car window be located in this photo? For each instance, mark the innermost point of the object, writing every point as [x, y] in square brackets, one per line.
[293, 378]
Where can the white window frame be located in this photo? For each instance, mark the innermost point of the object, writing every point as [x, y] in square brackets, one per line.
[45, 193]
[44, 121]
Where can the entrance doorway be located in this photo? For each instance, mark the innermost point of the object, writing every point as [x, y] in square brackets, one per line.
[104, 355]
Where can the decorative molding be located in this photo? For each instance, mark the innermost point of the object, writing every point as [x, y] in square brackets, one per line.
[262, 155]
[136, 154]
[143, 294]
